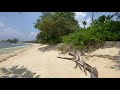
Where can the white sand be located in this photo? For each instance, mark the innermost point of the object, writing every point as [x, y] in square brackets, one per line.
[47, 65]
[108, 64]
[12, 52]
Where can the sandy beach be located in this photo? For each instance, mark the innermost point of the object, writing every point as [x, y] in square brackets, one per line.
[40, 62]
[10, 52]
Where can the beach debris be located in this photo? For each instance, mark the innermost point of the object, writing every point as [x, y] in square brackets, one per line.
[77, 58]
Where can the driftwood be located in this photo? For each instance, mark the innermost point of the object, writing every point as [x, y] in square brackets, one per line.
[77, 58]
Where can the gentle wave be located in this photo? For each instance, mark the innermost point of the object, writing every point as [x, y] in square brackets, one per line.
[12, 49]
[17, 47]
[7, 45]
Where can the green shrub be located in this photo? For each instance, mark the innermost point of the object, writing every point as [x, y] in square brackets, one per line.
[93, 36]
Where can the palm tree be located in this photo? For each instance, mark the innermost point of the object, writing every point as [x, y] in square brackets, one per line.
[117, 14]
[84, 23]
[109, 17]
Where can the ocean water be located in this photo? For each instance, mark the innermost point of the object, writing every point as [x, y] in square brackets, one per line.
[6, 47]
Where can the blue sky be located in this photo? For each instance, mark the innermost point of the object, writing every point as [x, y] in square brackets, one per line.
[15, 25]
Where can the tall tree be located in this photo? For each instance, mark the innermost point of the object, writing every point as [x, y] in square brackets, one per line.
[109, 17]
[55, 25]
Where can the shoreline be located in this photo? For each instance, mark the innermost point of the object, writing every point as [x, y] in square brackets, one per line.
[12, 51]
[41, 60]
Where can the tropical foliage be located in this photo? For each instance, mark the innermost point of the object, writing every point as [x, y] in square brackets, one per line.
[53, 26]
[14, 40]
[62, 27]
[102, 29]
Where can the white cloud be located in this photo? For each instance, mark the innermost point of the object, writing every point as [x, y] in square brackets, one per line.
[32, 35]
[88, 21]
[82, 16]
[9, 32]
[1, 24]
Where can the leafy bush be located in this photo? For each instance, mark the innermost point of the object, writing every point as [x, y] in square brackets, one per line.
[93, 36]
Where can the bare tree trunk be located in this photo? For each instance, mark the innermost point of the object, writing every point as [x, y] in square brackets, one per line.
[92, 16]
[84, 26]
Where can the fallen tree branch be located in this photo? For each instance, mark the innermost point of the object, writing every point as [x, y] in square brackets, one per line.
[66, 58]
[71, 54]
[79, 62]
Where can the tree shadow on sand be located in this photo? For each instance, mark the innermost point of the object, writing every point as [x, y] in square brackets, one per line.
[115, 59]
[119, 53]
[15, 72]
[47, 48]
[109, 44]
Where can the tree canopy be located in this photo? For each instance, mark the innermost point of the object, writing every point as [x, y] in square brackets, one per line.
[56, 27]
[14, 40]
[53, 25]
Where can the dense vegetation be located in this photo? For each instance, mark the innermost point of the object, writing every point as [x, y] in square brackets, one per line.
[33, 41]
[55, 25]
[14, 40]
[62, 27]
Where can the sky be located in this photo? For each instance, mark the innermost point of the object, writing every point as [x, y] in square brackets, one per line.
[21, 25]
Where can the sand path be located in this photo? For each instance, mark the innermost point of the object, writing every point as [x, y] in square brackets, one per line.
[38, 63]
